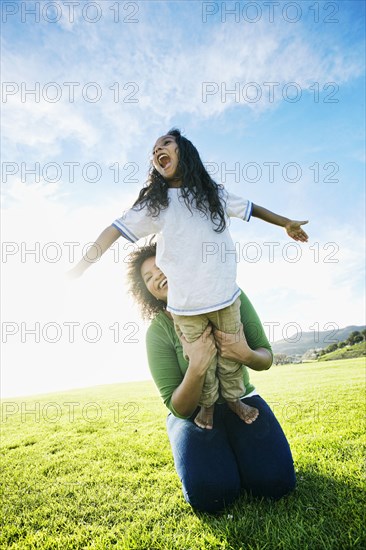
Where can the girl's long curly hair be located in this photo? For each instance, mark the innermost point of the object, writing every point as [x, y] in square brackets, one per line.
[148, 304]
[198, 188]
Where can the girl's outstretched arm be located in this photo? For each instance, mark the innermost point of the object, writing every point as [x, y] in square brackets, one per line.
[293, 228]
[101, 245]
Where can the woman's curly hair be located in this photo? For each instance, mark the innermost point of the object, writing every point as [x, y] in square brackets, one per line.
[198, 188]
[149, 305]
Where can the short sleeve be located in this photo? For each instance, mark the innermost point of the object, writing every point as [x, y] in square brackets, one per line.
[237, 207]
[136, 223]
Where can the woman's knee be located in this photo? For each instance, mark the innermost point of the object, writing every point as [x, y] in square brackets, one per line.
[205, 464]
[275, 487]
[285, 486]
[210, 497]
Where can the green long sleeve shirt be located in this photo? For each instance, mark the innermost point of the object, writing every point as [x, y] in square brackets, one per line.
[165, 352]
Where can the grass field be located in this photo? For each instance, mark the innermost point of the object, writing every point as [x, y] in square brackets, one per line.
[93, 469]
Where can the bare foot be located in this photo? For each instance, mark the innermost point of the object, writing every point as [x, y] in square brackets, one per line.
[244, 412]
[204, 418]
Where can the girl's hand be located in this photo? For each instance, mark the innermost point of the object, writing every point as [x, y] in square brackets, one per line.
[200, 352]
[78, 270]
[295, 231]
[74, 273]
[233, 346]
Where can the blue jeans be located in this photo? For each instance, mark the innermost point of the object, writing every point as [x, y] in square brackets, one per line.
[215, 465]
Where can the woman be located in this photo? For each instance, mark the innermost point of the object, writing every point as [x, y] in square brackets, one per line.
[214, 465]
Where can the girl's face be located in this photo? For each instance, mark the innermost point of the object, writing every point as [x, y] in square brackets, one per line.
[166, 158]
[155, 281]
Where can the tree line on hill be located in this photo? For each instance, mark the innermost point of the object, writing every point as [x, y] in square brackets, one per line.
[354, 338]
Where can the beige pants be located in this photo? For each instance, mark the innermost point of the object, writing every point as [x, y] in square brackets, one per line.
[224, 371]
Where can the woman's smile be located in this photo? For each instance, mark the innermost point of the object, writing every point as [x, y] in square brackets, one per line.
[155, 281]
[163, 283]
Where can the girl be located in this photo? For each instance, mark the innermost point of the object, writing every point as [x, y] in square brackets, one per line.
[190, 213]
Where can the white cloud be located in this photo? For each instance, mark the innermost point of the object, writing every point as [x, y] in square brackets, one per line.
[168, 79]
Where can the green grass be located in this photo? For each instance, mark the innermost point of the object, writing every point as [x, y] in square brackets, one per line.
[348, 352]
[77, 481]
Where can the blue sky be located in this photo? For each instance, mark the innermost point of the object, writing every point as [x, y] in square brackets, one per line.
[164, 59]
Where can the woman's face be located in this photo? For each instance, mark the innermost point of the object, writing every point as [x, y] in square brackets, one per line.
[155, 281]
[166, 157]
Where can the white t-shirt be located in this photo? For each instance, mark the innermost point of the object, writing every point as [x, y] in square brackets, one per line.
[199, 263]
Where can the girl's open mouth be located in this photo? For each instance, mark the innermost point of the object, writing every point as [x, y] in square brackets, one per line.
[164, 161]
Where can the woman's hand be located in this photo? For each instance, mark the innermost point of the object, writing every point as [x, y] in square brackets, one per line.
[236, 348]
[200, 352]
[233, 346]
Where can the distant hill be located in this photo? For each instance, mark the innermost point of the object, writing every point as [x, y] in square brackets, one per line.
[313, 340]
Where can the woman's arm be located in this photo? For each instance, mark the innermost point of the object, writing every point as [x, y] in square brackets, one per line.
[186, 396]
[249, 346]
[235, 347]
[180, 392]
